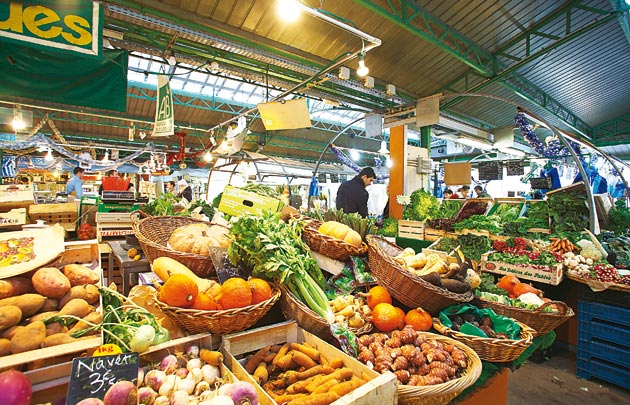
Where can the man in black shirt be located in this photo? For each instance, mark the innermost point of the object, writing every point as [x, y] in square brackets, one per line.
[352, 195]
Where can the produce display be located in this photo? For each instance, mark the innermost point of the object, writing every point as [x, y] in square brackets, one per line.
[568, 210]
[511, 291]
[422, 206]
[465, 323]
[619, 246]
[517, 250]
[619, 217]
[414, 358]
[198, 238]
[449, 208]
[86, 232]
[490, 223]
[360, 225]
[536, 217]
[341, 232]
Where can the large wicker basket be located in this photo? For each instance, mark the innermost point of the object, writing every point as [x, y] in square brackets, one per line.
[494, 350]
[221, 321]
[153, 234]
[442, 393]
[410, 290]
[329, 246]
[542, 322]
[307, 319]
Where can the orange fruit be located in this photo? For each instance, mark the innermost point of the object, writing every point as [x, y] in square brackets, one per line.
[401, 318]
[385, 317]
[419, 319]
[204, 302]
[377, 295]
[235, 293]
[261, 290]
[179, 290]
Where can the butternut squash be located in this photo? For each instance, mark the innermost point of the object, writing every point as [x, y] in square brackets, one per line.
[341, 231]
[164, 267]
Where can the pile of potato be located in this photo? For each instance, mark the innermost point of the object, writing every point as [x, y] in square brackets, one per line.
[28, 300]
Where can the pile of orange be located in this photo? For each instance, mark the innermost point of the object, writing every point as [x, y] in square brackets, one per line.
[180, 290]
[387, 317]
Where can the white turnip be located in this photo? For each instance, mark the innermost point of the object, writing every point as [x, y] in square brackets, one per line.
[90, 401]
[15, 387]
[218, 400]
[210, 373]
[179, 398]
[169, 364]
[121, 393]
[241, 392]
[146, 396]
[154, 379]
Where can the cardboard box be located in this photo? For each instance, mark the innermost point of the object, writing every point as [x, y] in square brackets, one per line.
[16, 196]
[235, 201]
[16, 216]
[65, 214]
[381, 389]
[410, 229]
[544, 274]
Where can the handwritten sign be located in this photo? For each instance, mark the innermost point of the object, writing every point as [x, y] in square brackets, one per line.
[490, 170]
[92, 376]
[515, 168]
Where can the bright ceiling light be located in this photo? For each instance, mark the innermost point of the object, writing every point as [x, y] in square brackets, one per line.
[383, 150]
[171, 59]
[389, 163]
[288, 10]
[207, 157]
[214, 66]
[49, 157]
[105, 157]
[362, 70]
[354, 154]
[18, 120]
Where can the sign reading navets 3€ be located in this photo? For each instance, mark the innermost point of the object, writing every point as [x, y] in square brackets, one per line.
[68, 26]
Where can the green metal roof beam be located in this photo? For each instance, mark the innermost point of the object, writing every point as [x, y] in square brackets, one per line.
[612, 128]
[624, 16]
[418, 21]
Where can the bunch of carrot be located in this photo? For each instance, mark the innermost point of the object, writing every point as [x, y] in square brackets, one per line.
[298, 374]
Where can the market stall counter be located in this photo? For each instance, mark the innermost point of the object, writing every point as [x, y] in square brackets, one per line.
[127, 265]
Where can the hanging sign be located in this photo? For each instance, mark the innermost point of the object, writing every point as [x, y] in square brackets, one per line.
[92, 377]
[490, 170]
[68, 26]
[515, 168]
[164, 122]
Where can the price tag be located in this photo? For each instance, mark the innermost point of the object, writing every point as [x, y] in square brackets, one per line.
[91, 377]
[107, 350]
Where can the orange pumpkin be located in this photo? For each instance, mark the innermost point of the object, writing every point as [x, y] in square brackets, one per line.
[377, 295]
[204, 302]
[419, 319]
[401, 318]
[261, 290]
[235, 293]
[508, 283]
[385, 317]
[179, 291]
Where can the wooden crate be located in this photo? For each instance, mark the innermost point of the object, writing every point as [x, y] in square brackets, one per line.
[13, 218]
[80, 252]
[520, 201]
[546, 274]
[447, 256]
[381, 389]
[65, 214]
[432, 235]
[410, 229]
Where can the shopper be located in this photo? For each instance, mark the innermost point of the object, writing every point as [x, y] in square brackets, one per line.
[463, 191]
[184, 190]
[481, 193]
[74, 186]
[448, 193]
[170, 186]
[352, 195]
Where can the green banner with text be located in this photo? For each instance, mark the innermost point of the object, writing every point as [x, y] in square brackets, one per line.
[68, 26]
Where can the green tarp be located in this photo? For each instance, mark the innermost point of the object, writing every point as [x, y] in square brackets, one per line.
[52, 76]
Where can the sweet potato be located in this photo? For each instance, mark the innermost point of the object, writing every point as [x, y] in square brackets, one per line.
[93, 317]
[55, 327]
[29, 304]
[29, 338]
[5, 347]
[50, 282]
[79, 275]
[58, 339]
[10, 287]
[51, 304]
[42, 316]
[9, 333]
[87, 292]
[10, 315]
[77, 307]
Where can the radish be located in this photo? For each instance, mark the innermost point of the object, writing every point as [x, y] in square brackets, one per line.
[15, 387]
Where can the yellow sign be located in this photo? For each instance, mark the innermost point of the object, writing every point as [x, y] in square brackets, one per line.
[107, 350]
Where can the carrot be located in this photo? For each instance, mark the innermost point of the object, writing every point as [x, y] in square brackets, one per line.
[316, 399]
[260, 374]
[325, 387]
[212, 357]
[275, 348]
[254, 361]
[309, 351]
[347, 386]
[341, 374]
[302, 379]
[286, 362]
[302, 359]
[283, 399]
[283, 350]
[269, 357]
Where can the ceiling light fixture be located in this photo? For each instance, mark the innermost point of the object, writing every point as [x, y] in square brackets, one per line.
[171, 59]
[288, 10]
[383, 150]
[18, 120]
[105, 157]
[362, 70]
[49, 157]
[207, 157]
[354, 154]
[389, 162]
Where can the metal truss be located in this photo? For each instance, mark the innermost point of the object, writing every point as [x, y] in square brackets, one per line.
[604, 134]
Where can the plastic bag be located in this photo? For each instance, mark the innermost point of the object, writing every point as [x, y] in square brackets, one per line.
[501, 324]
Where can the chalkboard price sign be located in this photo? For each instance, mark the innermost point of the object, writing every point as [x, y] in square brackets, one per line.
[92, 376]
[515, 168]
[542, 183]
[334, 178]
[490, 171]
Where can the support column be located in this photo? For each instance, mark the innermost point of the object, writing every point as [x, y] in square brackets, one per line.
[398, 156]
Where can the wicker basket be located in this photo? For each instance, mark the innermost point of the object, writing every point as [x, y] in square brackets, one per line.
[307, 319]
[221, 321]
[329, 246]
[153, 234]
[542, 322]
[494, 350]
[410, 290]
[442, 393]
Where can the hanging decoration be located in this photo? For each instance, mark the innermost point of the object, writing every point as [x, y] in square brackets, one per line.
[349, 163]
[551, 147]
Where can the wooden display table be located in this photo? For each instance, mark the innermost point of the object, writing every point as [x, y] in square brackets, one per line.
[127, 266]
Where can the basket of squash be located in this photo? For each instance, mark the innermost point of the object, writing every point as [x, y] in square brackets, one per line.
[333, 239]
[186, 240]
[200, 305]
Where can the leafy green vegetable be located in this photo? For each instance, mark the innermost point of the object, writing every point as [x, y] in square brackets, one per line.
[206, 208]
[487, 285]
[507, 212]
[389, 228]
[473, 246]
[568, 210]
[261, 189]
[446, 244]
[163, 205]
[423, 206]
[491, 223]
[449, 208]
[619, 217]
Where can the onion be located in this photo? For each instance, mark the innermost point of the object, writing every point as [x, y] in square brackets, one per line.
[15, 387]
[241, 392]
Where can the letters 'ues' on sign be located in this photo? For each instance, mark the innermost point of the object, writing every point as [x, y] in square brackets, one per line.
[92, 376]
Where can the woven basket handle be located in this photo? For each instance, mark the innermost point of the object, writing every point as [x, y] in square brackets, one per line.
[137, 215]
[562, 307]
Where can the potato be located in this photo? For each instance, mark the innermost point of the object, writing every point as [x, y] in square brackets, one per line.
[88, 292]
[77, 307]
[10, 287]
[58, 339]
[50, 282]
[51, 304]
[29, 338]
[93, 317]
[55, 327]
[9, 333]
[42, 316]
[10, 315]
[5, 347]
[79, 275]
[30, 304]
